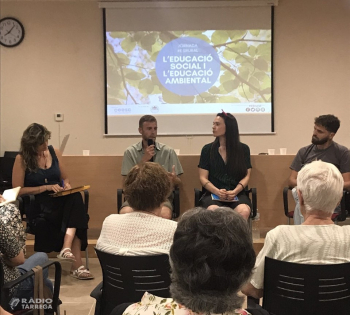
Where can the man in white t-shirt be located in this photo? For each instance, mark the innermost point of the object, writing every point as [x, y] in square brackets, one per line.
[318, 240]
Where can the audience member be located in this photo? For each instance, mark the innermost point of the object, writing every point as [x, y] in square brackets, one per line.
[142, 231]
[12, 249]
[157, 152]
[322, 148]
[39, 170]
[224, 167]
[318, 240]
[211, 258]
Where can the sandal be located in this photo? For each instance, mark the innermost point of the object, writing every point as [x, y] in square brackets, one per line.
[66, 254]
[82, 274]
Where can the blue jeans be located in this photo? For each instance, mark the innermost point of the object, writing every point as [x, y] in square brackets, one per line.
[26, 288]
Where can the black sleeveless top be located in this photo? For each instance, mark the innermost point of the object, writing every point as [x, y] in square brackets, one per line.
[50, 176]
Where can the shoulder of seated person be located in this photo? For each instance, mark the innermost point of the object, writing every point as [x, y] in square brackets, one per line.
[245, 146]
[340, 147]
[207, 146]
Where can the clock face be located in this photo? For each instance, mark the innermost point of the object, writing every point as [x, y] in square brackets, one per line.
[11, 32]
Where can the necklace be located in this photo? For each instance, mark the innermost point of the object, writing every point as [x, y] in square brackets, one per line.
[45, 159]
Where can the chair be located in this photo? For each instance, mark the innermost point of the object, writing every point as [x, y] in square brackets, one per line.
[198, 194]
[291, 288]
[336, 217]
[25, 203]
[6, 166]
[176, 201]
[5, 289]
[11, 154]
[127, 278]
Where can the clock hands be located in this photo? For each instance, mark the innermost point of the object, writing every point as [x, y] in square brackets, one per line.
[10, 30]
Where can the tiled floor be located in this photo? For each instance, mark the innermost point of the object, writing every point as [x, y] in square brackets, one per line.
[75, 294]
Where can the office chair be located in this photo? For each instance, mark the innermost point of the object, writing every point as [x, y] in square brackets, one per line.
[127, 278]
[293, 289]
[5, 289]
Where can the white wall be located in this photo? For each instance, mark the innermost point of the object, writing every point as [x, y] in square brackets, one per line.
[59, 68]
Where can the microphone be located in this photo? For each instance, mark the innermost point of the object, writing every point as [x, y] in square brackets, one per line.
[150, 142]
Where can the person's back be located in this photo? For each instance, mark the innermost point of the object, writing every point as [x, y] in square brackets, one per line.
[304, 244]
[142, 231]
[136, 233]
[318, 240]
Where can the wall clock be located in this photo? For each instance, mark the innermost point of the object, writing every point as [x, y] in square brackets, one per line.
[11, 32]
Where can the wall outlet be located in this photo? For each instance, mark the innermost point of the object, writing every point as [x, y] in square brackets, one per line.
[58, 117]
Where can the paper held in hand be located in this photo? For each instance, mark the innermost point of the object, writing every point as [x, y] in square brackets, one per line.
[10, 195]
[70, 191]
[216, 197]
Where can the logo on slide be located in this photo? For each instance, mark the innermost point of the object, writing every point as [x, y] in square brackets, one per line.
[187, 66]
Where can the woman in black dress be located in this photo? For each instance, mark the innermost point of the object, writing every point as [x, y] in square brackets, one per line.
[224, 167]
[59, 224]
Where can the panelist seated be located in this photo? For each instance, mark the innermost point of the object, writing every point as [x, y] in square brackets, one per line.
[211, 258]
[59, 224]
[322, 148]
[224, 167]
[318, 240]
[142, 231]
[148, 150]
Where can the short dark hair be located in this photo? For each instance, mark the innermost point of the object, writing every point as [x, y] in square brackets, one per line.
[146, 186]
[145, 118]
[330, 122]
[212, 257]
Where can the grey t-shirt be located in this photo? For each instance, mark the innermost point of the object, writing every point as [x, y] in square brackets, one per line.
[164, 155]
[336, 154]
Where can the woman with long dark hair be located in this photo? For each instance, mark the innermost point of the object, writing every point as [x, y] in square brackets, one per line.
[59, 224]
[224, 168]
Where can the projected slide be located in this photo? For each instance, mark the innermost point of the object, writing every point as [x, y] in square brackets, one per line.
[188, 72]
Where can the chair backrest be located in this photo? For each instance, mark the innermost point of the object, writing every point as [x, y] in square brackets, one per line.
[291, 288]
[11, 154]
[127, 278]
[6, 166]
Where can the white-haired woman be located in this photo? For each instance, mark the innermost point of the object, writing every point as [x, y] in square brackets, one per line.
[318, 240]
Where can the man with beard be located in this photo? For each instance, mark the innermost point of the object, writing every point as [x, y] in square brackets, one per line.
[322, 148]
[148, 150]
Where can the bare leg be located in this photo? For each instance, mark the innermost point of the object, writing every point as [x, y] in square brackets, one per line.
[126, 210]
[68, 238]
[212, 207]
[76, 250]
[166, 213]
[243, 210]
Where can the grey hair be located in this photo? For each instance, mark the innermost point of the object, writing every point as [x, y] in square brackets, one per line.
[212, 257]
[321, 185]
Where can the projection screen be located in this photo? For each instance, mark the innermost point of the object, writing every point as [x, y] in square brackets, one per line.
[184, 61]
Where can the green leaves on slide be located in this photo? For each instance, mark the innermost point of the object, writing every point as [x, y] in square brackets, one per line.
[245, 75]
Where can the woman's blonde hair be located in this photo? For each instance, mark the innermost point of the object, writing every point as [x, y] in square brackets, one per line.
[34, 136]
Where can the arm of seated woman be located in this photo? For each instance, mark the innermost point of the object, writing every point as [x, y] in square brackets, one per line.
[64, 176]
[203, 178]
[15, 261]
